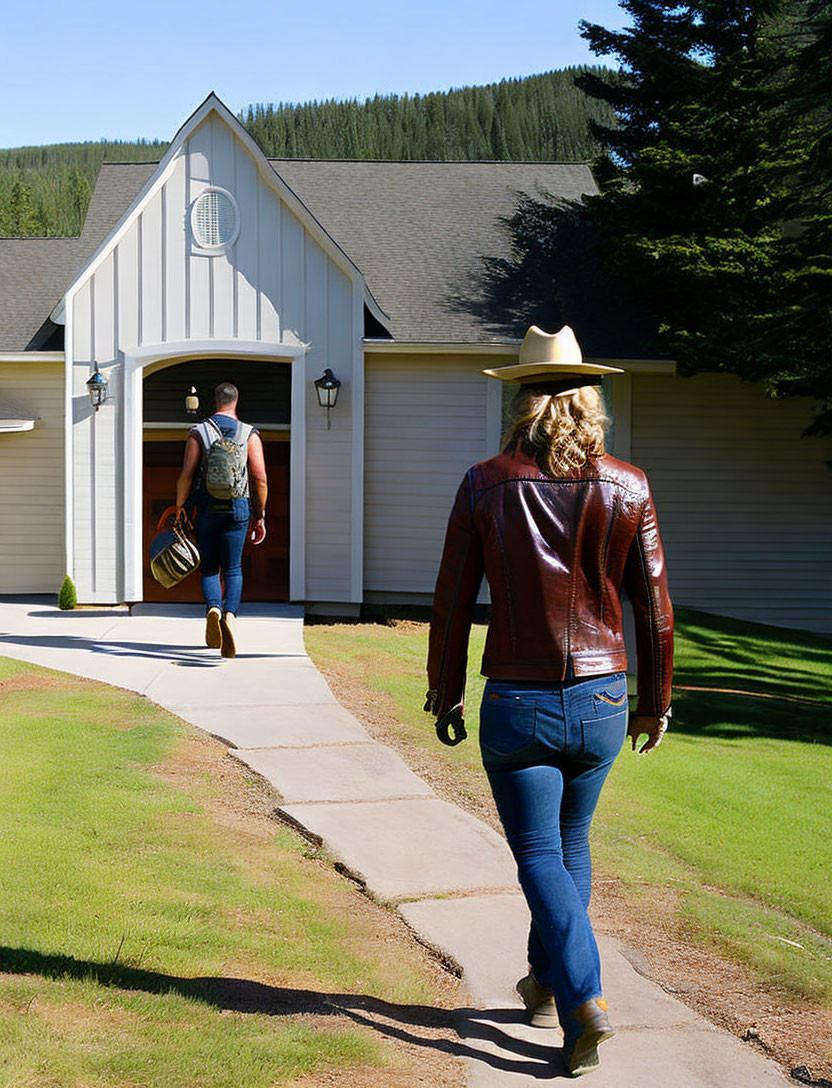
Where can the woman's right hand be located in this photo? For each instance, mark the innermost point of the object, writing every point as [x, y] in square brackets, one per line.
[655, 728]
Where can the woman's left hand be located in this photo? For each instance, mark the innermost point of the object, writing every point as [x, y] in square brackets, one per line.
[450, 728]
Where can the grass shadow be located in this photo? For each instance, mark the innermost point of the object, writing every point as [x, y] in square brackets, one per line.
[716, 651]
[733, 717]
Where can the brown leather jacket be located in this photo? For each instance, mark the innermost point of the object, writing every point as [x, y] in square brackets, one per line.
[556, 552]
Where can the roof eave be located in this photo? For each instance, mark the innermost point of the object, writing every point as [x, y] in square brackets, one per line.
[374, 346]
[32, 356]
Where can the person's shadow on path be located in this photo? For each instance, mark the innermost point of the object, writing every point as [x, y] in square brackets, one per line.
[196, 657]
[400, 1022]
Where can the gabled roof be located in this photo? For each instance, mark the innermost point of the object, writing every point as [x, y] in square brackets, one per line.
[418, 231]
[213, 105]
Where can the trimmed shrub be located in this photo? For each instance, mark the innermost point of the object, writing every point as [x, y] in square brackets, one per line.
[67, 598]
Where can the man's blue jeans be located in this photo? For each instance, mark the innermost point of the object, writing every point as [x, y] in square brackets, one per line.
[547, 751]
[220, 538]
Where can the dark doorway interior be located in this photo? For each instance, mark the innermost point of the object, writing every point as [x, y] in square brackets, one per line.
[265, 568]
[265, 390]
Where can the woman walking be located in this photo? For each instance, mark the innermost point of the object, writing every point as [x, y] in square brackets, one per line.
[558, 527]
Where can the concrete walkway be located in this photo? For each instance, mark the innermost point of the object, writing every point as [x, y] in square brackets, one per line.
[449, 875]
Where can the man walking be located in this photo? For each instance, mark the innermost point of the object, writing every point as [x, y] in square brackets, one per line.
[225, 456]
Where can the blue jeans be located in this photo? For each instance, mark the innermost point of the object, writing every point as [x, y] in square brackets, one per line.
[220, 538]
[547, 751]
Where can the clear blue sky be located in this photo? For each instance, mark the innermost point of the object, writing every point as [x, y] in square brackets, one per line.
[119, 69]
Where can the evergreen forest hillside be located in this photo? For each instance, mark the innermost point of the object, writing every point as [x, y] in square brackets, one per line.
[539, 118]
[46, 190]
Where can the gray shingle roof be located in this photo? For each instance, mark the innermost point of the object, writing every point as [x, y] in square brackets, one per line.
[34, 274]
[118, 185]
[417, 230]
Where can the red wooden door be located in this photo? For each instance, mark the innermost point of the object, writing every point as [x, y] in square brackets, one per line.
[265, 567]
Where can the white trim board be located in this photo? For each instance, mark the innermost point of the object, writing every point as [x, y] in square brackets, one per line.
[32, 356]
[179, 351]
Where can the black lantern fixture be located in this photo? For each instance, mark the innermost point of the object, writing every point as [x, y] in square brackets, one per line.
[97, 386]
[192, 401]
[327, 387]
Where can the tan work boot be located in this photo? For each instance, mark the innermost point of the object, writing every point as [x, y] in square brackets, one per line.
[229, 646]
[539, 1002]
[213, 634]
[583, 1030]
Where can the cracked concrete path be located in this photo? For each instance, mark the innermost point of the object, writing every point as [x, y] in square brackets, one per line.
[450, 876]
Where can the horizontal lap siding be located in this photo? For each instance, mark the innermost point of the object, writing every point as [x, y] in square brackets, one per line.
[426, 424]
[744, 503]
[32, 481]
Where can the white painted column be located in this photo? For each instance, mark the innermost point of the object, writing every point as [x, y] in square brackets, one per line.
[357, 479]
[69, 424]
[133, 479]
[297, 482]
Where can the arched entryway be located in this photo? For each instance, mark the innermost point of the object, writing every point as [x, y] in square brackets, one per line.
[265, 401]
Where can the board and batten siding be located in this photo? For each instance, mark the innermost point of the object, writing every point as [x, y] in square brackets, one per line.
[428, 419]
[32, 481]
[276, 286]
[744, 503]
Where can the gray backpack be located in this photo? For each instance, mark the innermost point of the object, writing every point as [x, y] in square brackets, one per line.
[225, 466]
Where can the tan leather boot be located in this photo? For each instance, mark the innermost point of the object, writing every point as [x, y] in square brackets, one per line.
[583, 1030]
[229, 646]
[213, 635]
[539, 1002]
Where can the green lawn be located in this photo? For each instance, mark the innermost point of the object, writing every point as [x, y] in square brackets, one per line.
[732, 814]
[147, 943]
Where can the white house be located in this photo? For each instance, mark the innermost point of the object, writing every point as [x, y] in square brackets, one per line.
[217, 263]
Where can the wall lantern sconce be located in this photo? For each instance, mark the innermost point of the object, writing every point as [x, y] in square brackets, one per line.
[192, 401]
[327, 387]
[97, 386]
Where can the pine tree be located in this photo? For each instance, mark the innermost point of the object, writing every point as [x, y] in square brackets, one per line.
[801, 324]
[22, 216]
[699, 181]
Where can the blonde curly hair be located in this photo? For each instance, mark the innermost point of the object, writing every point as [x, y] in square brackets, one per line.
[560, 432]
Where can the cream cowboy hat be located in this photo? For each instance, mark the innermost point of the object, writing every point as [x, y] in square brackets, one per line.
[550, 357]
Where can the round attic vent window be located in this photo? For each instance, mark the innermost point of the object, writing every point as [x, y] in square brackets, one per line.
[215, 220]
